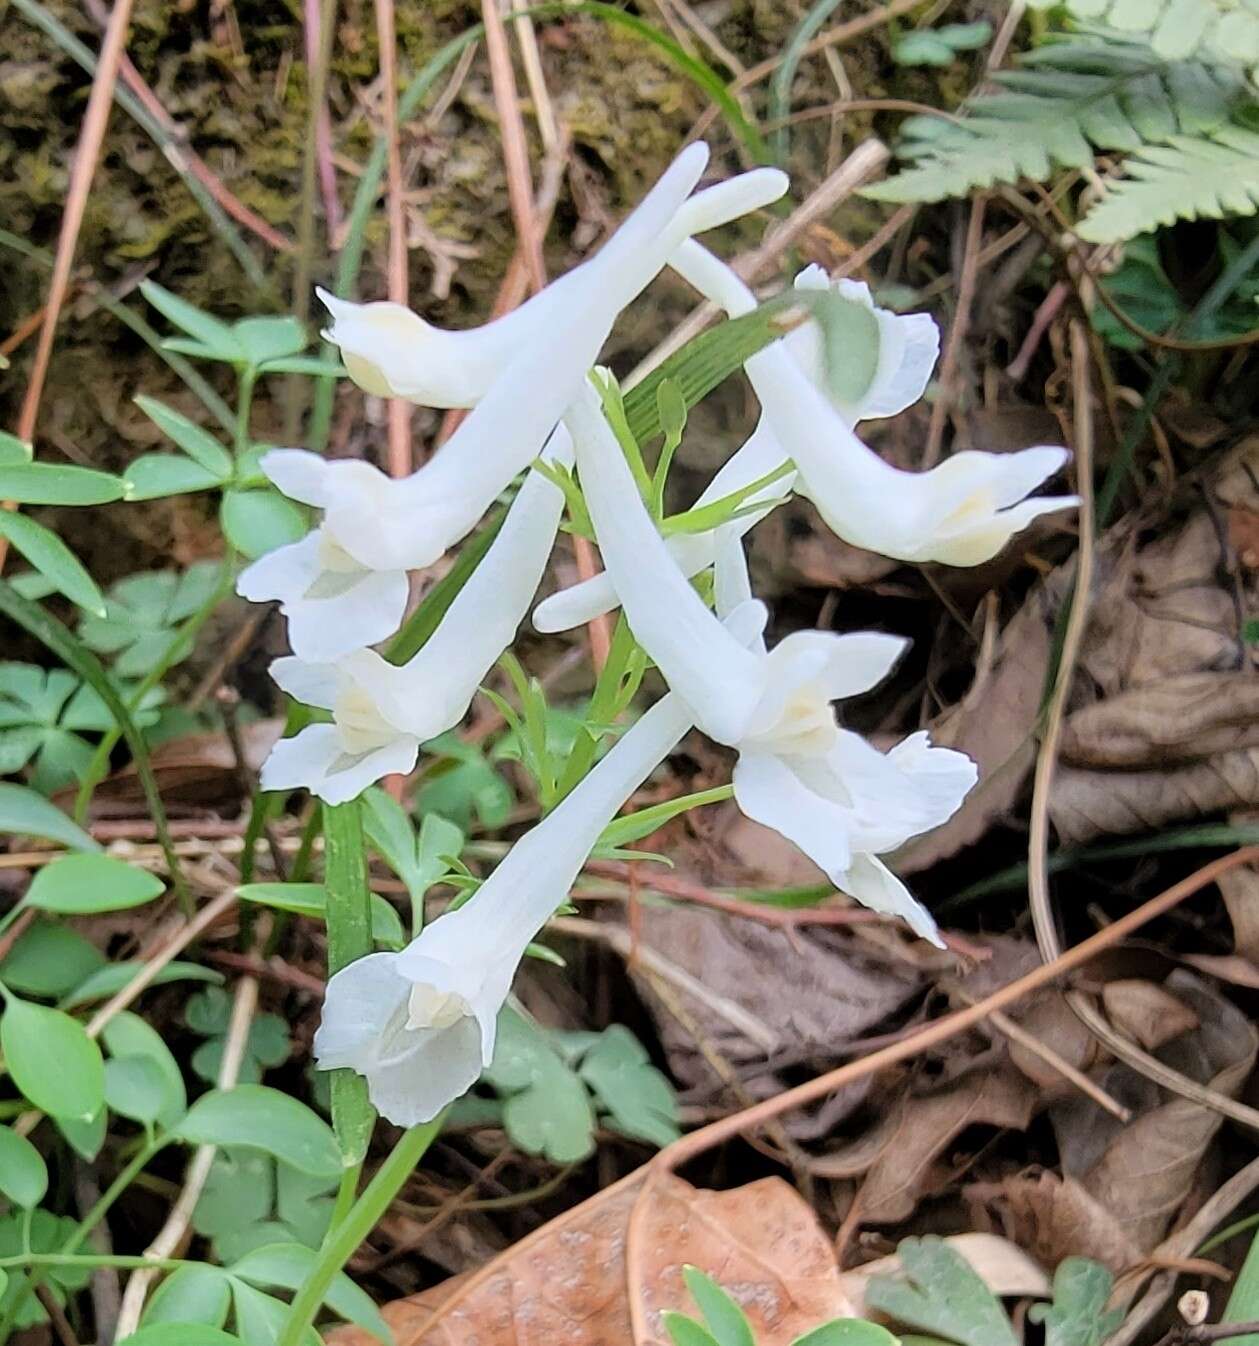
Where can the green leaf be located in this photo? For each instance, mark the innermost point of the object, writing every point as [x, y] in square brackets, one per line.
[940, 46]
[53, 559]
[256, 522]
[192, 1294]
[634, 826]
[85, 1138]
[287, 1266]
[217, 338]
[1188, 178]
[14, 450]
[266, 1044]
[32, 1036]
[546, 1109]
[849, 1332]
[1078, 1316]
[270, 338]
[38, 1231]
[465, 786]
[418, 864]
[23, 1173]
[109, 980]
[685, 1331]
[135, 1088]
[307, 364]
[48, 960]
[940, 1293]
[83, 885]
[27, 813]
[128, 1038]
[198, 444]
[153, 476]
[252, 1114]
[181, 1334]
[57, 484]
[641, 1101]
[310, 899]
[144, 613]
[723, 1317]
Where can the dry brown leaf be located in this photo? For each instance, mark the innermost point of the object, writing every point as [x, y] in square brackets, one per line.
[1183, 719]
[566, 1284]
[838, 994]
[1050, 1020]
[1087, 804]
[1004, 1268]
[1240, 890]
[1053, 1217]
[901, 1150]
[1146, 1013]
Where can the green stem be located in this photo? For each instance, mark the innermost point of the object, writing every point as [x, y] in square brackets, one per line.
[76, 656]
[81, 1231]
[349, 918]
[341, 1241]
[346, 1194]
[91, 1260]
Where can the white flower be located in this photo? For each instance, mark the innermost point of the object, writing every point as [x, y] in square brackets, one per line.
[392, 352]
[839, 799]
[521, 377]
[908, 347]
[420, 1024]
[960, 513]
[381, 712]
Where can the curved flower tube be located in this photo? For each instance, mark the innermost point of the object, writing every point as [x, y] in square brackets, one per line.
[392, 352]
[374, 524]
[908, 347]
[825, 788]
[382, 712]
[960, 513]
[419, 1025]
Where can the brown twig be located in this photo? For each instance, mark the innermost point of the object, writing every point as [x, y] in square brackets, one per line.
[958, 330]
[86, 155]
[399, 410]
[515, 146]
[1204, 1332]
[327, 169]
[727, 1128]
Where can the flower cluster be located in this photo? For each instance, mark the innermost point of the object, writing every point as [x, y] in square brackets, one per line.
[420, 1024]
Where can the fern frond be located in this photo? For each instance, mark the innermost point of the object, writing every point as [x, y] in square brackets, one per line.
[1218, 30]
[1068, 99]
[1185, 179]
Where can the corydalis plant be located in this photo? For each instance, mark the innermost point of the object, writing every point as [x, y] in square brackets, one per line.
[419, 1025]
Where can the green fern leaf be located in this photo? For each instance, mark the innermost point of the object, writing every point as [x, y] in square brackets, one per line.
[1186, 178]
[1219, 30]
[1068, 99]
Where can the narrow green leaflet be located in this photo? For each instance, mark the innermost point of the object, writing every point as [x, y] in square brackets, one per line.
[57, 484]
[214, 338]
[49, 959]
[193, 1294]
[1078, 1315]
[153, 476]
[32, 1036]
[684, 1331]
[181, 1334]
[198, 444]
[82, 885]
[722, 1316]
[26, 812]
[23, 1173]
[940, 1293]
[110, 979]
[310, 899]
[53, 559]
[256, 522]
[130, 1039]
[252, 1114]
[269, 339]
[143, 614]
[14, 450]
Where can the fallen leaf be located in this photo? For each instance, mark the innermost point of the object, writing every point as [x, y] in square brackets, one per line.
[898, 1154]
[1240, 890]
[1049, 1019]
[566, 1284]
[1146, 1012]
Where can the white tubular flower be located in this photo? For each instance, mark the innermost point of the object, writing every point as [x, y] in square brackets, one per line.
[420, 1024]
[825, 788]
[382, 712]
[908, 347]
[392, 352]
[960, 513]
[521, 377]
